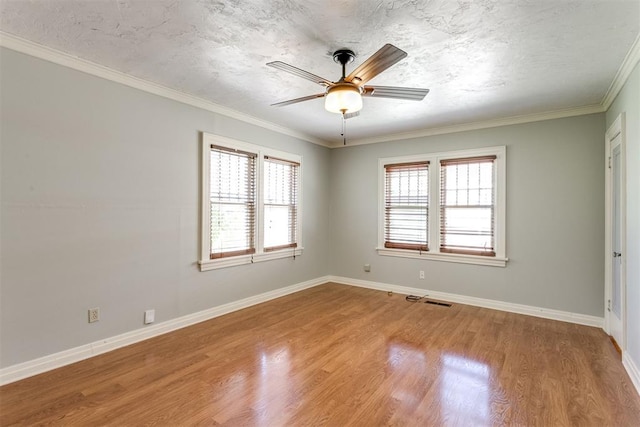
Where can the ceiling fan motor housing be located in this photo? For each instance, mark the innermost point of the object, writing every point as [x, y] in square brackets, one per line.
[343, 56]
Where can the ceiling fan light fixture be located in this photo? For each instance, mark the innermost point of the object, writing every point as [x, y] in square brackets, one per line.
[343, 98]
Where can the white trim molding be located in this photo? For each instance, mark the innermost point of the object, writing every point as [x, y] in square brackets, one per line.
[617, 128]
[43, 364]
[627, 66]
[21, 45]
[206, 264]
[624, 71]
[433, 232]
[483, 124]
[260, 255]
[457, 258]
[76, 354]
[545, 313]
[632, 370]
[55, 56]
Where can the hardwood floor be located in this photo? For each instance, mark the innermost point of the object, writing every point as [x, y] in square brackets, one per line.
[336, 355]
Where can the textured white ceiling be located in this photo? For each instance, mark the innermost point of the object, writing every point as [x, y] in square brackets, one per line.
[482, 59]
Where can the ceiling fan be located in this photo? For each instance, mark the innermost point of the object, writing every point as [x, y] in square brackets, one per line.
[345, 95]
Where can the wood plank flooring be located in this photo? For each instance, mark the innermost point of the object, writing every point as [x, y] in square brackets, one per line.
[336, 355]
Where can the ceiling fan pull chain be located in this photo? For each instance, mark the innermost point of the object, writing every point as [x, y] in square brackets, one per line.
[344, 129]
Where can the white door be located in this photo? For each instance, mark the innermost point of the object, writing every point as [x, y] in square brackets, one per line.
[616, 303]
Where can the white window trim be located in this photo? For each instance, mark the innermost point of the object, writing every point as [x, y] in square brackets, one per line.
[500, 260]
[260, 255]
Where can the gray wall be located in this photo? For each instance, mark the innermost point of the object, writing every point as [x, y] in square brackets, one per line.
[555, 216]
[100, 208]
[628, 101]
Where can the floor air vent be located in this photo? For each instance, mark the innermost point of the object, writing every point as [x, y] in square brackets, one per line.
[444, 304]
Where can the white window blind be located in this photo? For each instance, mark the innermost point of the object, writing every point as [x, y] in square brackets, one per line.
[467, 205]
[406, 208]
[280, 203]
[233, 202]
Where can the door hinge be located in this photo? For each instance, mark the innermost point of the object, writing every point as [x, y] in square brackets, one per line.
[609, 162]
[608, 305]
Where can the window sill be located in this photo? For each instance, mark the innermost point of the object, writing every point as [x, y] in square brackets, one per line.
[214, 264]
[436, 256]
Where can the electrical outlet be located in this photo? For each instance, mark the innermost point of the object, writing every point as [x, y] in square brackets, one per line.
[149, 316]
[367, 267]
[94, 315]
[421, 274]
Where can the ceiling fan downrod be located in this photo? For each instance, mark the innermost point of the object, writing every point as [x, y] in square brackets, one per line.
[343, 57]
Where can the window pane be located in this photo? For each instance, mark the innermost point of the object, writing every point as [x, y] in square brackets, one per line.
[280, 203]
[232, 198]
[406, 224]
[277, 225]
[468, 228]
[406, 206]
[230, 231]
[467, 206]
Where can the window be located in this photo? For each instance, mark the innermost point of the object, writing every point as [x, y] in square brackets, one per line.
[233, 202]
[251, 203]
[467, 211]
[444, 206]
[406, 205]
[280, 203]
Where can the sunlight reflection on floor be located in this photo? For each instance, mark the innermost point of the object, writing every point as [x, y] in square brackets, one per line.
[464, 388]
[274, 375]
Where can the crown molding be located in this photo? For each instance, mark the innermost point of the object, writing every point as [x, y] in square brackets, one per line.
[506, 121]
[626, 68]
[21, 45]
[629, 63]
[55, 56]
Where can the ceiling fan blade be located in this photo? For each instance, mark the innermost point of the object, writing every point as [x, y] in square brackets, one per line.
[377, 63]
[300, 73]
[296, 100]
[351, 115]
[409, 93]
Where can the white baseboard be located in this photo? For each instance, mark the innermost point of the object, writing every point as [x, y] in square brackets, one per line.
[632, 370]
[546, 313]
[67, 357]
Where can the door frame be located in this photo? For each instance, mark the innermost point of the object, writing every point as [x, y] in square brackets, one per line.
[618, 127]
